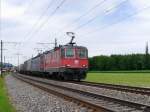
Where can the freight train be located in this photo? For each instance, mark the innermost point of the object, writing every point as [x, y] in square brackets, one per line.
[65, 62]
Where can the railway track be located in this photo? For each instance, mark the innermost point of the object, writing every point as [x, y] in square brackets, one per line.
[95, 102]
[131, 89]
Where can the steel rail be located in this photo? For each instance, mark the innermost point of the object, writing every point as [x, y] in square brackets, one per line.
[142, 107]
[125, 88]
[94, 107]
[131, 89]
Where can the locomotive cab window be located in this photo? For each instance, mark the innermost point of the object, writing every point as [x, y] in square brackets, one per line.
[69, 52]
[82, 53]
[62, 53]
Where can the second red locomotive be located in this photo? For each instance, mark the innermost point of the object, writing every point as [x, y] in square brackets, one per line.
[67, 62]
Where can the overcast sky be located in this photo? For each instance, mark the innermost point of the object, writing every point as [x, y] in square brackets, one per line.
[104, 26]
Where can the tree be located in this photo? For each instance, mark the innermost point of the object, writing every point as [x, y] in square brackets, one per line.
[120, 62]
[147, 57]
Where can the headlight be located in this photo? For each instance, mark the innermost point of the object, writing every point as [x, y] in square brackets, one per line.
[67, 65]
[84, 65]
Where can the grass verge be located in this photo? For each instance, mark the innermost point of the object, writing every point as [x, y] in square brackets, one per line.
[131, 79]
[5, 105]
[122, 71]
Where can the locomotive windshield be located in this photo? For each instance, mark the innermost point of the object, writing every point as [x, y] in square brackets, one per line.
[82, 53]
[72, 53]
[69, 52]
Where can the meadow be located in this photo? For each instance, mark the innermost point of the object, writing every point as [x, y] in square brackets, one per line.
[5, 105]
[137, 78]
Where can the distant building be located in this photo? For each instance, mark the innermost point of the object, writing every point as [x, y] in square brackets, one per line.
[7, 66]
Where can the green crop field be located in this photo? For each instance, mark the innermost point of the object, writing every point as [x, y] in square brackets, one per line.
[131, 79]
[5, 105]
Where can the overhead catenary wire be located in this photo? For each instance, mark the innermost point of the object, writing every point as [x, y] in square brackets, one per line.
[97, 5]
[44, 22]
[87, 12]
[129, 16]
[95, 17]
[28, 6]
[117, 22]
[59, 7]
[40, 17]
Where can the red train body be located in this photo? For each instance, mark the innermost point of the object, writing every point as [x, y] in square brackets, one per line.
[68, 62]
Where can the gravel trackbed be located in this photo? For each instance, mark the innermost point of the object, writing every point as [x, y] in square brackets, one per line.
[27, 98]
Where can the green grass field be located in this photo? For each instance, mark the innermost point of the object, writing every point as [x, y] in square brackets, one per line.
[131, 79]
[122, 71]
[5, 105]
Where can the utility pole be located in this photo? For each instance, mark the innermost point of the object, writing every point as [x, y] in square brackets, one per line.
[4, 62]
[9, 43]
[18, 58]
[1, 42]
[1, 57]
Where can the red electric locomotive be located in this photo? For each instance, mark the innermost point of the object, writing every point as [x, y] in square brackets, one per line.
[68, 62]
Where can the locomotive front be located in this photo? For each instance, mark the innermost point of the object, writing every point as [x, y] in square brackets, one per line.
[74, 62]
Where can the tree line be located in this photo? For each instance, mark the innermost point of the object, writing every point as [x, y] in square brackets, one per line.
[120, 62]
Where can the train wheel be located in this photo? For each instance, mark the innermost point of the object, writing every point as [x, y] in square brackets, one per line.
[79, 76]
[61, 77]
[78, 79]
[65, 78]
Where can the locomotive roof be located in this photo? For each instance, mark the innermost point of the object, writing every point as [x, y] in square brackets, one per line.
[64, 46]
[69, 46]
[56, 48]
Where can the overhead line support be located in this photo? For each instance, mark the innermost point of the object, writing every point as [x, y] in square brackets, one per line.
[1, 58]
